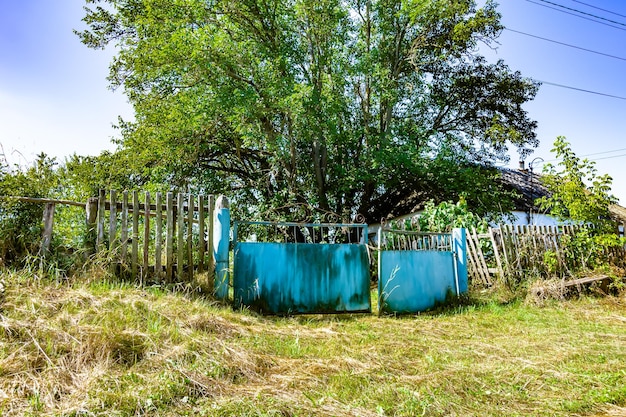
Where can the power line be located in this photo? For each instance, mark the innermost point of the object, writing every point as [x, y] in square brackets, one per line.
[605, 152]
[581, 89]
[583, 13]
[592, 154]
[599, 8]
[566, 44]
[608, 157]
[574, 14]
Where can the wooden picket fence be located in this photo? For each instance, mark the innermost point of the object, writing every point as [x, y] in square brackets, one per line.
[165, 238]
[512, 252]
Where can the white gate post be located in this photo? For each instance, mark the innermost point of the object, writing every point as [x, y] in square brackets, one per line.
[221, 243]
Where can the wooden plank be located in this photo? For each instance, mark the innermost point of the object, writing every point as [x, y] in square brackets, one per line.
[481, 258]
[113, 242]
[477, 264]
[496, 253]
[124, 226]
[48, 224]
[43, 200]
[542, 235]
[146, 235]
[201, 234]
[503, 241]
[210, 246]
[169, 237]
[135, 235]
[91, 217]
[471, 261]
[603, 283]
[180, 239]
[519, 247]
[158, 267]
[586, 280]
[475, 255]
[190, 211]
[532, 230]
[101, 216]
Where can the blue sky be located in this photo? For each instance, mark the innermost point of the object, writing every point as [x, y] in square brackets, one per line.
[595, 125]
[54, 96]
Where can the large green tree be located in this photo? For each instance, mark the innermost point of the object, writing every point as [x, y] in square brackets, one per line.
[337, 105]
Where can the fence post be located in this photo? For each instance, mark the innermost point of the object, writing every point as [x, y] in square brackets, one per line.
[146, 236]
[201, 240]
[135, 243]
[91, 215]
[180, 237]
[124, 234]
[48, 221]
[113, 245]
[459, 247]
[189, 244]
[210, 244]
[221, 236]
[169, 237]
[158, 268]
[101, 214]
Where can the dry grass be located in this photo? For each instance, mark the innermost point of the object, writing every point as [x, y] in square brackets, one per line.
[113, 350]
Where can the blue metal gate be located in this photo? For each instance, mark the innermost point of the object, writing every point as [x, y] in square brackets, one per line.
[293, 268]
[417, 271]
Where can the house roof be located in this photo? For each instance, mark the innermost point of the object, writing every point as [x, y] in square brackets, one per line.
[528, 185]
[618, 213]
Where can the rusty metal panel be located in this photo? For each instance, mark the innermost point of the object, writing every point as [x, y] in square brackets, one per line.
[296, 278]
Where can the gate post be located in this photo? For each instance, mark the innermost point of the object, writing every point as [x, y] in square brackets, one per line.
[91, 216]
[221, 243]
[48, 221]
[459, 248]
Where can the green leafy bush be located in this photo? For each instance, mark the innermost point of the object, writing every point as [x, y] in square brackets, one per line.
[21, 222]
[578, 193]
[446, 216]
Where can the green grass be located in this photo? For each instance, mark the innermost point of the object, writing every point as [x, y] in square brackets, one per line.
[110, 349]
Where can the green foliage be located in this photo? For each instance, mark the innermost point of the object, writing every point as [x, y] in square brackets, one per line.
[20, 222]
[446, 216]
[77, 179]
[577, 191]
[588, 250]
[443, 217]
[346, 107]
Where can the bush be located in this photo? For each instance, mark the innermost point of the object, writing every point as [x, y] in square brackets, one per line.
[21, 222]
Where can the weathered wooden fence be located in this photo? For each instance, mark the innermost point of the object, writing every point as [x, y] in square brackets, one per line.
[165, 238]
[161, 238]
[512, 252]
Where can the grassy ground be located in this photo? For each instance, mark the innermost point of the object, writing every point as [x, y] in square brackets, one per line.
[98, 349]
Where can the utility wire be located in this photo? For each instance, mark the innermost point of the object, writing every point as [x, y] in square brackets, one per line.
[591, 154]
[577, 15]
[566, 44]
[583, 13]
[599, 8]
[609, 157]
[605, 152]
[581, 89]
